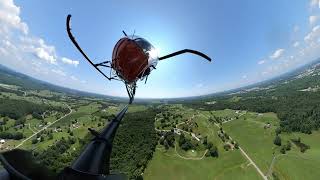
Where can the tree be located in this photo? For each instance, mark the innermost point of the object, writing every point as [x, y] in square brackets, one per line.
[277, 140]
[166, 145]
[226, 147]
[187, 145]
[50, 136]
[205, 140]
[236, 145]
[214, 151]
[209, 145]
[182, 139]
[283, 149]
[288, 146]
[34, 141]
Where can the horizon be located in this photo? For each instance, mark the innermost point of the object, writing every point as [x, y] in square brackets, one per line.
[274, 39]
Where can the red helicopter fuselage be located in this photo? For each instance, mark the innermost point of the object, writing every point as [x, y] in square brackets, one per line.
[129, 60]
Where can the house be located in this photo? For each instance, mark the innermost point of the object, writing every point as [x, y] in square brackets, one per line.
[268, 125]
[2, 141]
[177, 131]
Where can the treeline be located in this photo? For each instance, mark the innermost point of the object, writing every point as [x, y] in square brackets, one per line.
[56, 157]
[9, 135]
[134, 143]
[297, 111]
[18, 109]
[133, 146]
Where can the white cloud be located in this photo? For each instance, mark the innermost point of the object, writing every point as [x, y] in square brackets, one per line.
[29, 54]
[315, 3]
[45, 55]
[244, 77]
[74, 78]
[10, 17]
[313, 36]
[200, 85]
[261, 62]
[277, 54]
[69, 61]
[59, 72]
[313, 19]
[296, 44]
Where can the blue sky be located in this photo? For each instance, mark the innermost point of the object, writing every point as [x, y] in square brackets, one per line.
[249, 41]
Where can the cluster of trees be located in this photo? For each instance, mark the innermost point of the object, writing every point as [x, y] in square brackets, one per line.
[134, 143]
[18, 93]
[223, 135]
[212, 150]
[277, 140]
[303, 147]
[18, 109]
[284, 147]
[297, 111]
[55, 157]
[167, 139]
[185, 143]
[11, 135]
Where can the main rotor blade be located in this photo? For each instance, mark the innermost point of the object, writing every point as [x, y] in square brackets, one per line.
[79, 48]
[185, 51]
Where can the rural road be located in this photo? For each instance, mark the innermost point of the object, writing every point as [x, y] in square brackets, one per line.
[254, 164]
[45, 127]
[250, 160]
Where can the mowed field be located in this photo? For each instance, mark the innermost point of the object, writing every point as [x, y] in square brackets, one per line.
[173, 163]
[229, 165]
[258, 143]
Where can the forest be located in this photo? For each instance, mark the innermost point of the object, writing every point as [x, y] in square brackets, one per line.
[18, 109]
[134, 143]
[298, 111]
[133, 146]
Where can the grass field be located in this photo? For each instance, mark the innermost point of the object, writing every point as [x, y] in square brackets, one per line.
[296, 165]
[254, 139]
[167, 165]
[258, 143]
[229, 165]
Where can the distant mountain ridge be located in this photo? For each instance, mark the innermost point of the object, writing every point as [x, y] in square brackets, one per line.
[11, 77]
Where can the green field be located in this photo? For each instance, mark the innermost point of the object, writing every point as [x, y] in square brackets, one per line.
[249, 129]
[176, 163]
[258, 143]
[229, 165]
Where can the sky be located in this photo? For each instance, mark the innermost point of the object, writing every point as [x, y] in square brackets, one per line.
[249, 41]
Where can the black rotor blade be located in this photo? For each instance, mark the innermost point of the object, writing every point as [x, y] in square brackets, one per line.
[79, 48]
[185, 51]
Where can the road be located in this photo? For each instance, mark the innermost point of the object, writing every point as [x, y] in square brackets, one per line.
[253, 163]
[45, 127]
[242, 151]
[247, 156]
[176, 128]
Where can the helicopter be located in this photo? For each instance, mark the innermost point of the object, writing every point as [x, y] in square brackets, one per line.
[133, 59]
